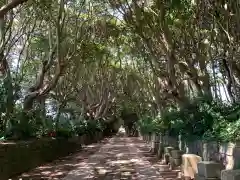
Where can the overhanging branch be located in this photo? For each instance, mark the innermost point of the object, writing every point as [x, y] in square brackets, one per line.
[6, 8]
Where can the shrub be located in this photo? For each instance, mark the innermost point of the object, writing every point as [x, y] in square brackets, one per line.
[199, 119]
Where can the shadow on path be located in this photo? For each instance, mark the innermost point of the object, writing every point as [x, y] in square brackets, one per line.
[117, 158]
[112, 162]
[120, 159]
[58, 169]
[151, 168]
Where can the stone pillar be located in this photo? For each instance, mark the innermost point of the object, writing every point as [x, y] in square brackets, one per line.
[167, 155]
[209, 170]
[186, 147]
[154, 143]
[85, 139]
[81, 141]
[96, 136]
[100, 135]
[165, 141]
[149, 138]
[180, 142]
[230, 174]
[189, 165]
[160, 147]
[175, 158]
[157, 141]
[93, 138]
[173, 142]
[145, 137]
[230, 155]
[210, 151]
[139, 134]
[194, 147]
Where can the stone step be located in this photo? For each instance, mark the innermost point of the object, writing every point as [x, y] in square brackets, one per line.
[163, 167]
[171, 178]
[178, 168]
[169, 174]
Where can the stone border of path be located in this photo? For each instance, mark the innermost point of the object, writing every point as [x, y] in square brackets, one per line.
[191, 165]
[61, 167]
[149, 167]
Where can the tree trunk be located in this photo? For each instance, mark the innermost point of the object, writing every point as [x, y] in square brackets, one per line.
[5, 73]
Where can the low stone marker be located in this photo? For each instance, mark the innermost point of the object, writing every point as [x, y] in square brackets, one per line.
[154, 143]
[210, 151]
[167, 151]
[176, 154]
[189, 165]
[197, 177]
[230, 155]
[175, 162]
[163, 167]
[160, 150]
[170, 141]
[230, 174]
[153, 137]
[140, 135]
[176, 158]
[144, 137]
[149, 136]
[209, 170]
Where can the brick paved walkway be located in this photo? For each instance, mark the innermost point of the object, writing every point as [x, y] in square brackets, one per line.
[114, 159]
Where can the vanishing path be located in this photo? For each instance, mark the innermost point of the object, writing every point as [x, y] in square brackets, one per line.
[113, 159]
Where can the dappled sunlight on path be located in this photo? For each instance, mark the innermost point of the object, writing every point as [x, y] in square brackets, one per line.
[60, 168]
[111, 162]
[121, 158]
[118, 158]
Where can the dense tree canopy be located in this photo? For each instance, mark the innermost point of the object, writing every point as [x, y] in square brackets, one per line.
[93, 60]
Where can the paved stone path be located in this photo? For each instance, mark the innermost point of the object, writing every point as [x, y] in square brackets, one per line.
[117, 158]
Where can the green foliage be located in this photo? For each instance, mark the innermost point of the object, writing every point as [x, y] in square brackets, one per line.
[110, 65]
[199, 119]
[3, 96]
[148, 124]
[64, 132]
[193, 120]
[204, 120]
[89, 127]
[36, 127]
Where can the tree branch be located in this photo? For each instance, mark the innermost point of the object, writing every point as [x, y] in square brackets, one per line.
[6, 8]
